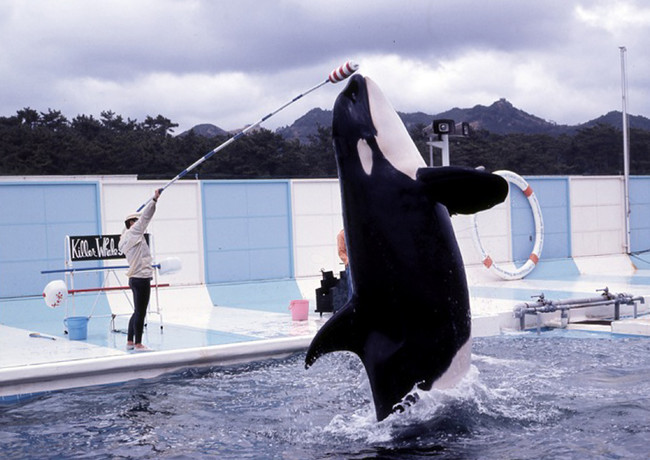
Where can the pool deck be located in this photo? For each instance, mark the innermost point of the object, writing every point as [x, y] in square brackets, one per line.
[228, 324]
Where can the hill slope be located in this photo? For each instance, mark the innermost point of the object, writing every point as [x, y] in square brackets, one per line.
[500, 118]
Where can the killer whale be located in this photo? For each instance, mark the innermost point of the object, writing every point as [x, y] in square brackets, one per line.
[408, 315]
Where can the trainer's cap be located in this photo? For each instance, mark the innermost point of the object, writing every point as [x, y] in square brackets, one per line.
[133, 215]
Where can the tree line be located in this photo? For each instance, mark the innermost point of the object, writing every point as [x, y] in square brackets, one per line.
[47, 143]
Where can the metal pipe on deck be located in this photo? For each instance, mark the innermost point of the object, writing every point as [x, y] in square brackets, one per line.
[543, 305]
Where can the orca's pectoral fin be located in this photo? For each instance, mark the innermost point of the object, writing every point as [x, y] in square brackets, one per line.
[337, 334]
[463, 190]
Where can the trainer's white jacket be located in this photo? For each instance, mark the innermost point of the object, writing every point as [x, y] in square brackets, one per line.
[135, 247]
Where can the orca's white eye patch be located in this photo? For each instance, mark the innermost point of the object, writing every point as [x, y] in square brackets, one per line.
[365, 155]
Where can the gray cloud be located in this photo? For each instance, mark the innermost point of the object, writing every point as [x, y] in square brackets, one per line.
[223, 62]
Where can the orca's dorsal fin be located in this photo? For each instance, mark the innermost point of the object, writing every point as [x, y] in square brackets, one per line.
[463, 190]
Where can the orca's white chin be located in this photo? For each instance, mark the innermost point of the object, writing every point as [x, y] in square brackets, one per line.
[392, 137]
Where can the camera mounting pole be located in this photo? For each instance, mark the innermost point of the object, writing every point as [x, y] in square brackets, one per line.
[442, 144]
[443, 129]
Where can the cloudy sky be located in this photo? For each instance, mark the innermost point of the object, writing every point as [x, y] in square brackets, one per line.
[231, 62]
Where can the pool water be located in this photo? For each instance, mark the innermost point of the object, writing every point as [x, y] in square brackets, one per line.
[528, 396]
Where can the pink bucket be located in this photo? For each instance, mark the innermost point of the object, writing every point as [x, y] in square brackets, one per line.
[299, 310]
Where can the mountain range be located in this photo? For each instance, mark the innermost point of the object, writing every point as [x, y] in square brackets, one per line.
[500, 118]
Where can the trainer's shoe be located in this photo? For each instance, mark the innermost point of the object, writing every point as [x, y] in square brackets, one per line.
[138, 347]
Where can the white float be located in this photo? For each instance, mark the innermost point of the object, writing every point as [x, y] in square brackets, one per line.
[169, 265]
[530, 264]
[55, 293]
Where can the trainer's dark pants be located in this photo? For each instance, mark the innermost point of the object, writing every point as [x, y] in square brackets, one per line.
[141, 288]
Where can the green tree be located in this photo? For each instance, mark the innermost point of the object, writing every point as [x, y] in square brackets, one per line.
[596, 151]
[159, 125]
[47, 143]
[28, 117]
[318, 154]
[54, 120]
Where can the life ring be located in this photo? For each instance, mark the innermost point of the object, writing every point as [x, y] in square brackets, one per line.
[530, 264]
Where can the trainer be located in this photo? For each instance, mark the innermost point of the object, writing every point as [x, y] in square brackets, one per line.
[138, 255]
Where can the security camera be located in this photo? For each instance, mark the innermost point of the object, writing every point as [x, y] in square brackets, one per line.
[462, 129]
[444, 126]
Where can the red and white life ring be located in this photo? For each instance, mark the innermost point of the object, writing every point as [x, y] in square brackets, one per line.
[530, 264]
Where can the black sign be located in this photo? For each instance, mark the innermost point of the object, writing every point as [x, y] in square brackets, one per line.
[96, 247]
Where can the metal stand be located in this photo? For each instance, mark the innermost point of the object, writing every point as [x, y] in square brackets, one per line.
[543, 305]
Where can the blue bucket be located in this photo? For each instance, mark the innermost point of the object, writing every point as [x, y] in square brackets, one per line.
[77, 327]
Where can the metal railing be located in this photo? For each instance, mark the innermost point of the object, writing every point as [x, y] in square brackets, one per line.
[544, 305]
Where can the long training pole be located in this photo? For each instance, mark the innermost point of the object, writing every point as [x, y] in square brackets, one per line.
[626, 152]
[337, 75]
